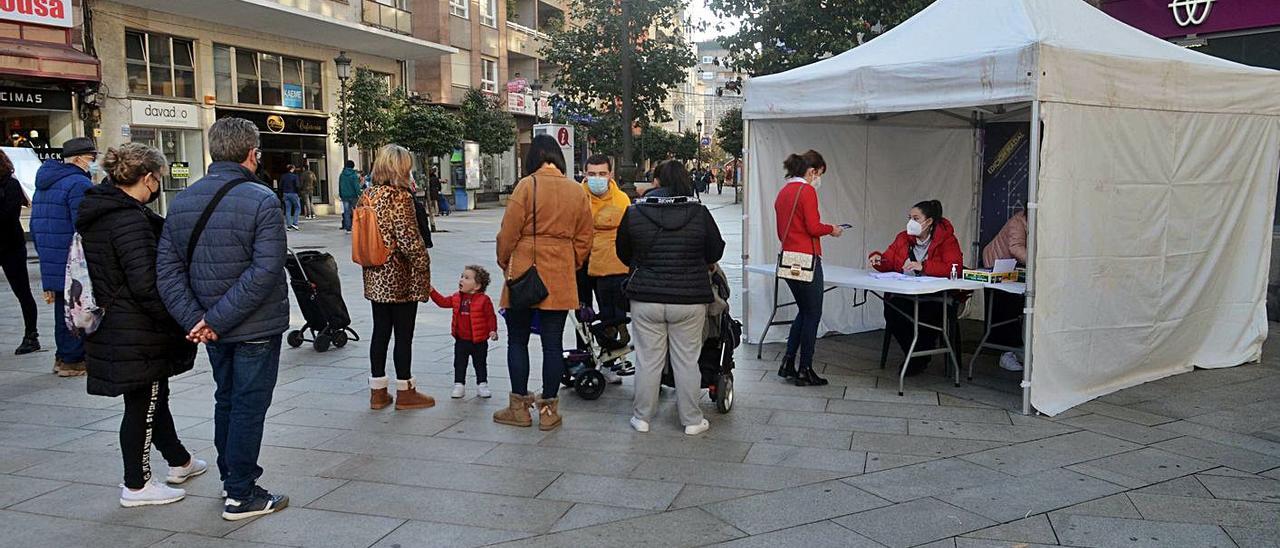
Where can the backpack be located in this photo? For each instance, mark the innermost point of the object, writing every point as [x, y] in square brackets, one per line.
[83, 316]
[367, 246]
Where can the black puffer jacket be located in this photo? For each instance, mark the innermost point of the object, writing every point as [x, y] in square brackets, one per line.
[138, 342]
[668, 246]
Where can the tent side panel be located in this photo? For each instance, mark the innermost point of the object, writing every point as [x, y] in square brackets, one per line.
[1153, 248]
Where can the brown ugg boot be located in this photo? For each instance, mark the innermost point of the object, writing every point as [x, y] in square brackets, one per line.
[517, 411]
[378, 396]
[548, 414]
[407, 396]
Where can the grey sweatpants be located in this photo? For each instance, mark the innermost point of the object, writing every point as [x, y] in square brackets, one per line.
[659, 331]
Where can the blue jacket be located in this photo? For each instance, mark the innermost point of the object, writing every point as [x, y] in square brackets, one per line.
[236, 281]
[54, 210]
[289, 183]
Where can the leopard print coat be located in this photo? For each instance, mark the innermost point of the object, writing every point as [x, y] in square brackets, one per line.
[407, 276]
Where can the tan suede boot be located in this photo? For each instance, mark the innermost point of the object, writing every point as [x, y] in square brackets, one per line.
[548, 414]
[378, 396]
[516, 413]
[407, 396]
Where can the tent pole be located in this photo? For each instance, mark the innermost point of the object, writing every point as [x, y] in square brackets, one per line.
[746, 217]
[1033, 206]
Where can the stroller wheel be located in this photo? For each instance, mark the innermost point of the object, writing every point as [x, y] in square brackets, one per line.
[295, 338]
[724, 393]
[322, 342]
[340, 339]
[590, 385]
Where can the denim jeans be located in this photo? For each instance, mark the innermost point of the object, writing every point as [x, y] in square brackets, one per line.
[70, 348]
[245, 374]
[348, 209]
[804, 329]
[444, 205]
[551, 331]
[292, 207]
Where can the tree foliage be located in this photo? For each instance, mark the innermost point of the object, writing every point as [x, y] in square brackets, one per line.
[685, 147]
[367, 116]
[425, 129]
[778, 36]
[487, 124]
[729, 132]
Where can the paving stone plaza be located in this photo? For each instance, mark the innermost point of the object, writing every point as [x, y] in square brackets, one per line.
[1191, 460]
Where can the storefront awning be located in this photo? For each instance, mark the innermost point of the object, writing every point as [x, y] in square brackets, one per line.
[280, 21]
[47, 61]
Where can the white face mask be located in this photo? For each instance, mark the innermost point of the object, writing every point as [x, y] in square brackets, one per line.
[914, 228]
[598, 185]
[817, 182]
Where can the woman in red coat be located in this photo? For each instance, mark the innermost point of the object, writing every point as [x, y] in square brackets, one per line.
[928, 247]
[799, 228]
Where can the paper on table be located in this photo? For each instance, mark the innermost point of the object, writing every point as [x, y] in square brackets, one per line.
[903, 277]
[1004, 265]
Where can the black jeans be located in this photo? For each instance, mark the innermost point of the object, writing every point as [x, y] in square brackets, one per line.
[611, 302]
[519, 328]
[400, 318]
[147, 421]
[1006, 306]
[900, 326]
[478, 353]
[14, 263]
[804, 328]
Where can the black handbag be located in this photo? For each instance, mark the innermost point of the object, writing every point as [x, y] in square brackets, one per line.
[424, 222]
[528, 290]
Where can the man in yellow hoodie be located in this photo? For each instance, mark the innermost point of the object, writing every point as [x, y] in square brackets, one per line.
[604, 272]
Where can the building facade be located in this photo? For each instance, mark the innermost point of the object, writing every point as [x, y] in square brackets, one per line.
[718, 88]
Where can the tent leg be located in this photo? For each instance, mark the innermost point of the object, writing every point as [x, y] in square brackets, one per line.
[1033, 206]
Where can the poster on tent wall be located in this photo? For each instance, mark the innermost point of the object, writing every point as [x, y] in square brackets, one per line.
[1006, 158]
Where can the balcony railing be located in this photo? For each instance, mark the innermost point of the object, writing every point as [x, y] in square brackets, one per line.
[388, 14]
[526, 41]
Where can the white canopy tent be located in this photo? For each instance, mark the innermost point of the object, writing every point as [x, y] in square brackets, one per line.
[1152, 188]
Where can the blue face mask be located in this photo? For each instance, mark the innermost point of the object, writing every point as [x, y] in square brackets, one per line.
[598, 185]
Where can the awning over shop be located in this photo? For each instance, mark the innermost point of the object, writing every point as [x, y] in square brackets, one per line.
[47, 61]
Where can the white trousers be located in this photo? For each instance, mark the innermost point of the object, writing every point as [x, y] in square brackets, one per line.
[668, 333]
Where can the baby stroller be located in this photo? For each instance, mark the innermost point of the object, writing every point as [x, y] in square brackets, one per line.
[721, 336]
[314, 277]
[608, 345]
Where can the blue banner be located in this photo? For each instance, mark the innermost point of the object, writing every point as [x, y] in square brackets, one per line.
[1006, 159]
[293, 96]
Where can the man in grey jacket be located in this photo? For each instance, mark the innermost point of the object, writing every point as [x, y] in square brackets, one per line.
[229, 291]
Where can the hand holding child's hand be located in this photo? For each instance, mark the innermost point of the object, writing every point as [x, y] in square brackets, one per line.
[493, 336]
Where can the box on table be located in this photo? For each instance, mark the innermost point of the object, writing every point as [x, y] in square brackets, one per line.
[989, 277]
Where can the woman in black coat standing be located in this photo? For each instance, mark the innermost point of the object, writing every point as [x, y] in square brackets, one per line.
[13, 252]
[137, 346]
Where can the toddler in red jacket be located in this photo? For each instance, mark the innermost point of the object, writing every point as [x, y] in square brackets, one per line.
[474, 325]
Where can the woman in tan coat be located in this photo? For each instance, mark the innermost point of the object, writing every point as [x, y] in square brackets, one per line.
[559, 246]
[396, 288]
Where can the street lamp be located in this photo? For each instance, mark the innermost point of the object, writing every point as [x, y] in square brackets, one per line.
[343, 63]
[699, 156]
[536, 86]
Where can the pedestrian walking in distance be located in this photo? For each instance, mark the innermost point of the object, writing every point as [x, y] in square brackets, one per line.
[474, 325]
[307, 182]
[138, 345]
[349, 190]
[226, 287]
[289, 192]
[13, 253]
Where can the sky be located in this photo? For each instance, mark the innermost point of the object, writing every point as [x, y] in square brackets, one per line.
[698, 11]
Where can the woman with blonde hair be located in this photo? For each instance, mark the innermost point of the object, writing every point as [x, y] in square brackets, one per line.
[396, 287]
[138, 345]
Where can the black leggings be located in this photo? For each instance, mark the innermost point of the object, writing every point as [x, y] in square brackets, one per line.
[478, 353]
[388, 317]
[147, 422]
[14, 263]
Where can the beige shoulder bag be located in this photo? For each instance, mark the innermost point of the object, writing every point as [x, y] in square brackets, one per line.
[793, 265]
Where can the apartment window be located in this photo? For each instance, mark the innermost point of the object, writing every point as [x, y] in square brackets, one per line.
[461, 65]
[222, 83]
[266, 79]
[706, 59]
[460, 8]
[489, 12]
[311, 81]
[160, 65]
[248, 86]
[489, 75]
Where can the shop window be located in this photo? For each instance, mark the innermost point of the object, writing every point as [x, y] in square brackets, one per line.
[268, 79]
[489, 13]
[160, 65]
[271, 85]
[135, 52]
[460, 8]
[222, 74]
[247, 84]
[489, 75]
[314, 91]
[462, 69]
[184, 69]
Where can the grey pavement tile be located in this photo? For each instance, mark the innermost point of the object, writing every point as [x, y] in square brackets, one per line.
[1257, 515]
[444, 475]
[693, 447]
[1217, 453]
[1255, 489]
[307, 527]
[1033, 530]
[101, 468]
[112, 424]
[559, 459]
[955, 401]
[1229, 472]
[1142, 467]
[54, 415]
[484, 429]
[72, 394]
[102, 504]
[919, 412]
[631, 493]
[926, 479]
[1114, 506]
[456, 507]
[698, 495]
[822, 534]
[302, 490]
[1187, 486]
[1124, 413]
[775, 387]
[890, 395]
[915, 522]
[330, 386]
[406, 446]
[14, 489]
[423, 534]
[365, 421]
[834, 421]
[187, 540]
[922, 446]
[13, 459]
[721, 474]
[586, 515]
[986, 432]
[783, 435]
[835, 460]
[1100, 531]
[789, 403]
[1045, 454]
[1254, 538]
[966, 542]
[1121, 429]
[21, 529]
[948, 543]
[1233, 439]
[887, 461]
[794, 506]
[1019, 497]
[279, 435]
[37, 437]
[293, 462]
[686, 527]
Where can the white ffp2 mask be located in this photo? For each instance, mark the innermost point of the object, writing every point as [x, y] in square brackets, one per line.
[914, 228]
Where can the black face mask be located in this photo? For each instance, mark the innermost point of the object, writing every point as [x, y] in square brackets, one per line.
[154, 195]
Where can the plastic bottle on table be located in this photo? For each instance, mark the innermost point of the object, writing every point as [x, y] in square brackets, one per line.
[953, 272]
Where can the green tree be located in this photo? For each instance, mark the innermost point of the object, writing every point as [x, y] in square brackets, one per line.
[685, 146]
[368, 113]
[729, 133]
[712, 155]
[487, 124]
[778, 36]
[425, 129]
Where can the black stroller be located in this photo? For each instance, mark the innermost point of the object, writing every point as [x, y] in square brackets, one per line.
[314, 277]
[608, 345]
[722, 335]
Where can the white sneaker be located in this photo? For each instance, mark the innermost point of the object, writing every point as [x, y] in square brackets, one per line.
[151, 495]
[639, 425]
[1009, 362]
[696, 429]
[610, 377]
[482, 390]
[459, 390]
[183, 473]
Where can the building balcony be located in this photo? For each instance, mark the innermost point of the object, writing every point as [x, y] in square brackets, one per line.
[526, 42]
[392, 15]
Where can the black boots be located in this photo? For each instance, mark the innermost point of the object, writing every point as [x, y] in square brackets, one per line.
[806, 377]
[30, 343]
[788, 368]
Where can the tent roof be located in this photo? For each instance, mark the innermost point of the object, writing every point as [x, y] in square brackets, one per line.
[963, 53]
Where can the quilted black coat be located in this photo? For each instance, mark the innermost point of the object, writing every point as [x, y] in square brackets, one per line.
[137, 342]
[669, 248]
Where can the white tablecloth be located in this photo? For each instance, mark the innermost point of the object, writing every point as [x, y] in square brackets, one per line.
[857, 278]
